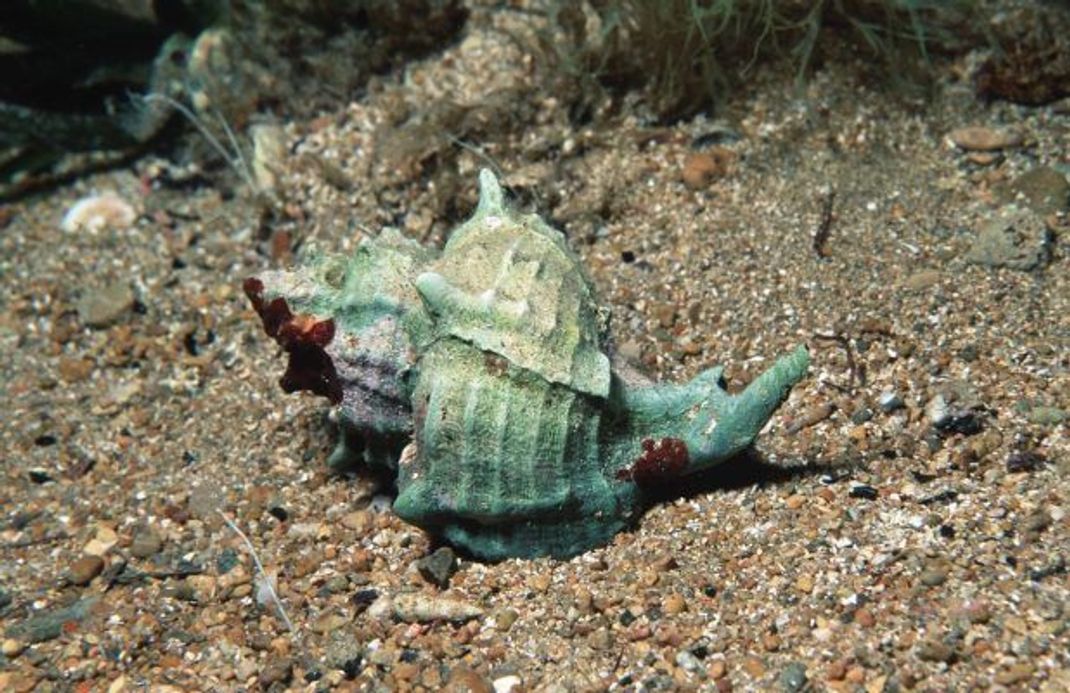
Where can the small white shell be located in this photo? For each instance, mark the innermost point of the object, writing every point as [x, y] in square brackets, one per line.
[97, 212]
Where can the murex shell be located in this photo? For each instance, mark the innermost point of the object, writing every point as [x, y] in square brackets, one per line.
[480, 377]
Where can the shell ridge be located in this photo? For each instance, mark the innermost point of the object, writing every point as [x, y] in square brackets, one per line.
[528, 419]
[554, 435]
[470, 468]
[496, 489]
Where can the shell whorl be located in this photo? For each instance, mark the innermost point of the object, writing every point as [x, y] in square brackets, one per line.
[509, 284]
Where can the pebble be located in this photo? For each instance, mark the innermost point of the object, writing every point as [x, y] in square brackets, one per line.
[976, 611]
[1044, 189]
[984, 158]
[344, 652]
[935, 651]
[934, 575]
[405, 671]
[146, 543]
[771, 642]
[981, 446]
[754, 667]
[439, 567]
[717, 669]
[83, 570]
[862, 415]
[505, 684]
[102, 542]
[1037, 522]
[103, 306]
[464, 680]
[969, 353]
[362, 560]
[75, 370]
[810, 416]
[1026, 461]
[951, 419]
[922, 280]
[864, 491]
[1016, 239]
[601, 639]
[665, 564]
[823, 634]
[505, 619]
[674, 604]
[865, 618]
[631, 351]
[702, 168]
[205, 500]
[227, 561]
[666, 315]
[584, 601]
[890, 401]
[539, 582]
[979, 138]
[39, 476]
[49, 624]
[904, 347]
[328, 623]
[276, 671]
[793, 678]
[360, 521]
[687, 661]
[639, 632]
[201, 589]
[938, 411]
[245, 669]
[381, 609]
[1014, 674]
[336, 585]
[419, 608]
[1046, 416]
[12, 648]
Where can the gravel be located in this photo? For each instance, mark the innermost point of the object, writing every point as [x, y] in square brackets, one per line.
[155, 406]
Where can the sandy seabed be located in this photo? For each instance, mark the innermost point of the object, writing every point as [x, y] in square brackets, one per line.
[860, 547]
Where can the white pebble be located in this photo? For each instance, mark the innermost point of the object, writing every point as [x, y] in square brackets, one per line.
[506, 683]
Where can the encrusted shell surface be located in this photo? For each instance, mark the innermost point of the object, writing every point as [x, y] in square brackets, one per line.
[351, 333]
[509, 284]
[509, 394]
[502, 455]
